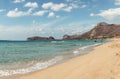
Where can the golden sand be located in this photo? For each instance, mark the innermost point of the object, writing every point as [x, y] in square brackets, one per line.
[101, 63]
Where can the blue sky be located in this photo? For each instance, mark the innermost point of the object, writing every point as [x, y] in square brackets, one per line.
[20, 19]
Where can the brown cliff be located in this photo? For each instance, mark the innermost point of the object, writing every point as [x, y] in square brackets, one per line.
[100, 31]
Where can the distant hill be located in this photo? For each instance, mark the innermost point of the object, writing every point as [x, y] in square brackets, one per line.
[100, 31]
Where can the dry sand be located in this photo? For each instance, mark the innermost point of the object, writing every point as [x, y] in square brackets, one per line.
[101, 63]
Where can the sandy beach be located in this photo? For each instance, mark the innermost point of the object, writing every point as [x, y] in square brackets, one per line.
[101, 63]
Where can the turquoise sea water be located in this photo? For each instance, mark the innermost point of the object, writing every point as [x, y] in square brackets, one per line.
[19, 57]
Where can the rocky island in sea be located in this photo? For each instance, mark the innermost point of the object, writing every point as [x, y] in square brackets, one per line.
[102, 30]
[37, 38]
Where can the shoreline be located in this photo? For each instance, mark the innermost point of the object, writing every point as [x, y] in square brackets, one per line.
[62, 70]
[71, 54]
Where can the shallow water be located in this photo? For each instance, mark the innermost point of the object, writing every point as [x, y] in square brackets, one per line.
[19, 57]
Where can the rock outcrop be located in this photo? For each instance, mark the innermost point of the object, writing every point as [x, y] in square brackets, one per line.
[100, 31]
[37, 38]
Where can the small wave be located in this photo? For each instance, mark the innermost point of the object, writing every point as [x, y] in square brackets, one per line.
[76, 52]
[53, 41]
[57, 41]
[84, 47]
[37, 66]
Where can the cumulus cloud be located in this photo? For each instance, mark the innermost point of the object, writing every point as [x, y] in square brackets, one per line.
[17, 13]
[51, 14]
[31, 4]
[117, 2]
[110, 14]
[46, 8]
[40, 13]
[18, 1]
[53, 6]
[47, 5]
[68, 9]
[58, 7]
[76, 4]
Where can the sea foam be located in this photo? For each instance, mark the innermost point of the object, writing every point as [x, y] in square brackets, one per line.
[76, 52]
[37, 66]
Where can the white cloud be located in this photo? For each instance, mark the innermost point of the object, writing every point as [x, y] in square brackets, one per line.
[40, 13]
[47, 5]
[51, 14]
[17, 13]
[53, 6]
[74, 3]
[117, 2]
[110, 14]
[18, 1]
[68, 9]
[92, 14]
[31, 4]
[57, 7]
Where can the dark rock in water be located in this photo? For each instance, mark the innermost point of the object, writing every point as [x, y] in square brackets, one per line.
[37, 38]
[100, 31]
[95, 41]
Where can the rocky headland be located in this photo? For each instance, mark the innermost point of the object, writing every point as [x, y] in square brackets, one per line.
[102, 30]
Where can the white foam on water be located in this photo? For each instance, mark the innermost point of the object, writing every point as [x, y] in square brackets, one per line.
[37, 66]
[53, 41]
[40, 65]
[82, 48]
[76, 52]
[57, 41]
